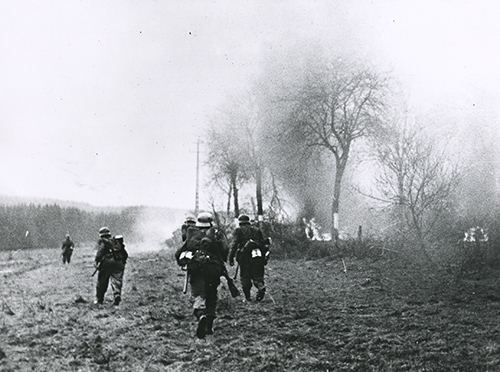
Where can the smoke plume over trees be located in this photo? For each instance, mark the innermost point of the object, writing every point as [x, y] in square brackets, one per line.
[314, 133]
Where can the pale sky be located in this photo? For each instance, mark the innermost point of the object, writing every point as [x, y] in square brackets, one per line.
[102, 101]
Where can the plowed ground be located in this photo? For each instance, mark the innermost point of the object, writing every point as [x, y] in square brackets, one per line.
[314, 318]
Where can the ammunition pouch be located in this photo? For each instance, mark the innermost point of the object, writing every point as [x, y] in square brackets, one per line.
[199, 259]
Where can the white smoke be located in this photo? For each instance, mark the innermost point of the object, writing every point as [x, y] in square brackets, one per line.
[153, 226]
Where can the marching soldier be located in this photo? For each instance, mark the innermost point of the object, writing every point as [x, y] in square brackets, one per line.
[110, 261]
[251, 253]
[204, 255]
[67, 249]
[189, 222]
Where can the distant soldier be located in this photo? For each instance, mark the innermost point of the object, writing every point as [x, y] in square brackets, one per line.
[189, 222]
[251, 253]
[203, 253]
[110, 260]
[67, 249]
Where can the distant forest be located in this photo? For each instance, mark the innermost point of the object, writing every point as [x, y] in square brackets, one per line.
[37, 226]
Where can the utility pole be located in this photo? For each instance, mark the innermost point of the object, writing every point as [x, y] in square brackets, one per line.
[197, 197]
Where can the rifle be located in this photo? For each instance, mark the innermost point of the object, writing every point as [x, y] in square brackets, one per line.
[230, 283]
[218, 222]
[236, 272]
[186, 281]
[97, 268]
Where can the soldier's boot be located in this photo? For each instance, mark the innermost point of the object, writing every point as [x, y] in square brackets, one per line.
[260, 294]
[201, 329]
[210, 325]
[246, 291]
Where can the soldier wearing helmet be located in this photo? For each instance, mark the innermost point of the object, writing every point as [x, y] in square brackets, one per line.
[110, 261]
[251, 253]
[190, 221]
[67, 249]
[203, 255]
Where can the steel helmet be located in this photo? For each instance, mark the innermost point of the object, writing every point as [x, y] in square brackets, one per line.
[243, 219]
[204, 219]
[190, 220]
[104, 231]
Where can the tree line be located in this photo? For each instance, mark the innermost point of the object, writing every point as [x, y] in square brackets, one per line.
[28, 226]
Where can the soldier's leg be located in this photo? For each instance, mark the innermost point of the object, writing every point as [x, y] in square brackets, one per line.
[261, 288]
[116, 286]
[68, 258]
[246, 280]
[258, 278]
[102, 285]
[197, 282]
[212, 282]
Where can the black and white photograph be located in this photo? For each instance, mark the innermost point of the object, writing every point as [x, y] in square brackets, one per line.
[249, 185]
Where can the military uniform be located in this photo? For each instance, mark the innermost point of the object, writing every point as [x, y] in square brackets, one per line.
[190, 222]
[67, 249]
[251, 254]
[203, 253]
[110, 259]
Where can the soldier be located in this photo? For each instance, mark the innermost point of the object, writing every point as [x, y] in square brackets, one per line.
[189, 222]
[67, 249]
[203, 254]
[110, 260]
[251, 253]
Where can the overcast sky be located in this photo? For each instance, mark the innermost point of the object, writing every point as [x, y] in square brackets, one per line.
[102, 101]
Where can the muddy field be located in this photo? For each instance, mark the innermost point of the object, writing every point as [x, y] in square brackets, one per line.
[315, 318]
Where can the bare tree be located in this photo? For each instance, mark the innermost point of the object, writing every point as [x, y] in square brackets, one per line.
[247, 125]
[416, 179]
[226, 160]
[334, 106]
[250, 125]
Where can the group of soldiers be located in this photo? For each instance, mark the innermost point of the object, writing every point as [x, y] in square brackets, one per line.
[110, 260]
[203, 254]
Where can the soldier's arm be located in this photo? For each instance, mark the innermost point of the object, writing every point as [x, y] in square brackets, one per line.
[178, 252]
[183, 232]
[101, 251]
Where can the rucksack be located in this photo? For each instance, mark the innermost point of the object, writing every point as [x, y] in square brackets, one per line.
[194, 239]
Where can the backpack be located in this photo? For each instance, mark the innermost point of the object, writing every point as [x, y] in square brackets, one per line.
[194, 238]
